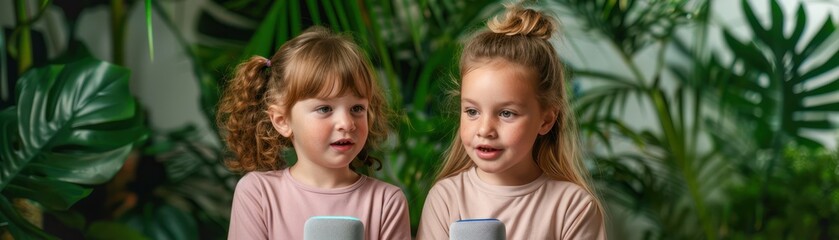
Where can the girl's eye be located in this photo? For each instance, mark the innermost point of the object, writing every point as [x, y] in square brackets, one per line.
[357, 109]
[471, 112]
[506, 114]
[324, 109]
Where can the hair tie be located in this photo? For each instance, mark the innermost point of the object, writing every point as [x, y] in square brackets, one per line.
[267, 62]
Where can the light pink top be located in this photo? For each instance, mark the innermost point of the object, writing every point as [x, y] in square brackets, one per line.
[272, 205]
[542, 209]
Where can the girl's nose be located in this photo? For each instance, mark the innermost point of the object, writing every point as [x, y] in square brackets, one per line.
[487, 128]
[345, 122]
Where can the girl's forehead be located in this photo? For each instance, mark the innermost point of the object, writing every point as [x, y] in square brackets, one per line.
[336, 87]
[500, 70]
[498, 63]
[498, 84]
[341, 96]
[339, 99]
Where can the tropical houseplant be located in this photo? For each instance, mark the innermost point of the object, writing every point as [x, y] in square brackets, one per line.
[676, 173]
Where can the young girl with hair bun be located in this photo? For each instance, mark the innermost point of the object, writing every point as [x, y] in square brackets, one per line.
[516, 156]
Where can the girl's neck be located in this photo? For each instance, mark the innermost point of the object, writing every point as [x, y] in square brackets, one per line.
[325, 178]
[520, 174]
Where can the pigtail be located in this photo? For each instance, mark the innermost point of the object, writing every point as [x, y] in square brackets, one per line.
[241, 116]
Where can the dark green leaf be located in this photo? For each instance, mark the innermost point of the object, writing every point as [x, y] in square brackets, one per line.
[807, 142]
[331, 15]
[800, 25]
[163, 222]
[760, 33]
[815, 124]
[52, 194]
[750, 54]
[342, 16]
[294, 16]
[149, 29]
[680, 112]
[5, 89]
[261, 42]
[439, 59]
[113, 230]
[314, 12]
[831, 88]
[829, 107]
[281, 34]
[59, 106]
[74, 124]
[72, 219]
[83, 168]
[776, 31]
[357, 13]
[827, 66]
[16, 225]
[824, 32]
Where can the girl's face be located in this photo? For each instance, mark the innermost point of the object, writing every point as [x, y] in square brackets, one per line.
[500, 120]
[327, 132]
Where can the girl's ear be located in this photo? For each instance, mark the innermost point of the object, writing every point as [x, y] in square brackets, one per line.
[280, 120]
[548, 121]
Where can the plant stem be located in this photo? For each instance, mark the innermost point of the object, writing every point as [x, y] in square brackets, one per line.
[778, 81]
[659, 66]
[627, 59]
[5, 90]
[149, 29]
[674, 140]
[700, 54]
[24, 41]
[117, 31]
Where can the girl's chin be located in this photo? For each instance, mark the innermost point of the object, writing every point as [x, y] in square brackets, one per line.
[489, 167]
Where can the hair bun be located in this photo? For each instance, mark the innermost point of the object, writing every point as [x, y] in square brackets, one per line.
[521, 21]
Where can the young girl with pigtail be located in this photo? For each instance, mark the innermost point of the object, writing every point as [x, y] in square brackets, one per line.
[516, 156]
[319, 96]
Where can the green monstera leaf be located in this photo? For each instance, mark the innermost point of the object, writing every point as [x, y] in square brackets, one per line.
[73, 126]
[778, 87]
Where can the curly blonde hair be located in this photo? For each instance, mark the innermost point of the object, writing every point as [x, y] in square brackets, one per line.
[307, 66]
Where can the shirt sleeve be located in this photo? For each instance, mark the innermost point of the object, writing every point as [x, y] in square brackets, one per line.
[247, 214]
[396, 222]
[587, 223]
[434, 223]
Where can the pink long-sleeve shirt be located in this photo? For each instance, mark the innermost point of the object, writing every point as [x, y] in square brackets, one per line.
[542, 209]
[272, 205]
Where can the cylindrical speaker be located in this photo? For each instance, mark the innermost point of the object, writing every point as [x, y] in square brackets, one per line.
[478, 229]
[332, 228]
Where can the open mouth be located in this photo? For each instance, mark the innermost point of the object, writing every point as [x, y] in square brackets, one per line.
[487, 152]
[342, 143]
[487, 149]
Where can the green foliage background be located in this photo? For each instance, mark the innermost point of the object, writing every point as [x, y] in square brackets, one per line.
[725, 155]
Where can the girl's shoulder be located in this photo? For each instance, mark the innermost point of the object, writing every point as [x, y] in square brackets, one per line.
[255, 179]
[567, 190]
[452, 184]
[263, 175]
[376, 185]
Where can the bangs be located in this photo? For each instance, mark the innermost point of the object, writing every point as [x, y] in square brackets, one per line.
[327, 72]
